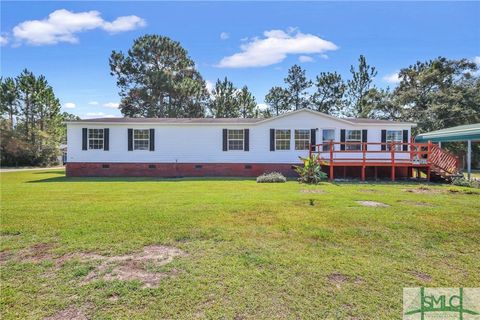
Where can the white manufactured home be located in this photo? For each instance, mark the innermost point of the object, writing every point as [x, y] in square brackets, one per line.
[170, 147]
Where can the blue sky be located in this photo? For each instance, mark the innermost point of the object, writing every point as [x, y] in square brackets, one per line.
[71, 47]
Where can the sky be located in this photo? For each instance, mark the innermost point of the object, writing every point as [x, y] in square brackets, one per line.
[251, 43]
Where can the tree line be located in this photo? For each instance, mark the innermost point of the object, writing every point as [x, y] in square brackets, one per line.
[31, 121]
[157, 78]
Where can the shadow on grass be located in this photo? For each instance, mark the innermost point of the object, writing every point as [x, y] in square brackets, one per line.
[59, 171]
[138, 179]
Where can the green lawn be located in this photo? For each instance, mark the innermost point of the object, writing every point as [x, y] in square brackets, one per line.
[252, 251]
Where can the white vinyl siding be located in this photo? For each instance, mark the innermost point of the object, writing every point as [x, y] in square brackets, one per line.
[199, 143]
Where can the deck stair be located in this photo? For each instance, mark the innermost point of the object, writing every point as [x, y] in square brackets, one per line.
[444, 166]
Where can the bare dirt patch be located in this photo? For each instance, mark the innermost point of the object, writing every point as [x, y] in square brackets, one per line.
[4, 256]
[338, 279]
[312, 191]
[134, 266]
[463, 191]
[36, 253]
[71, 313]
[372, 204]
[422, 190]
[369, 191]
[421, 275]
[415, 203]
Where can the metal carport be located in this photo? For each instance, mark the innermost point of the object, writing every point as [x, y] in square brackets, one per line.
[467, 133]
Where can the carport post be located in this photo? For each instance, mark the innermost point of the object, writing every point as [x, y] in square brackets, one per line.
[469, 158]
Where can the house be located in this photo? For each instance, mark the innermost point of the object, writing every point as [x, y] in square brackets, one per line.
[169, 147]
[181, 147]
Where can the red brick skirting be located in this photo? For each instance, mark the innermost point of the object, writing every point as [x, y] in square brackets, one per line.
[170, 170]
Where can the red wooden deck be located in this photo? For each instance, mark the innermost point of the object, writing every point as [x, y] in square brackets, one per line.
[422, 157]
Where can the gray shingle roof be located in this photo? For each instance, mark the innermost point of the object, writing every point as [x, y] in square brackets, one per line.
[229, 120]
[173, 120]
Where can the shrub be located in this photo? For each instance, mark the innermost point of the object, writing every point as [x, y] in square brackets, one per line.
[311, 171]
[462, 182]
[272, 177]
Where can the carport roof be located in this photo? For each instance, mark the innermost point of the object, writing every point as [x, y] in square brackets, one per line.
[460, 133]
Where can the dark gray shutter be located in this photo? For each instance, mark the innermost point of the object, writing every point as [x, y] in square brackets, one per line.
[384, 139]
[84, 139]
[313, 138]
[364, 137]
[152, 139]
[405, 140]
[342, 139]
[106, 139]
[225, 139]
[130, 139]
[246, 139]
[272, 139]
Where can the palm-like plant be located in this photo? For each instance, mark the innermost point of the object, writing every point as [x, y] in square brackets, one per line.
[311, 171]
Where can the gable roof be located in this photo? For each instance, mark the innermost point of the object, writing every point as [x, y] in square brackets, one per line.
[208, 121]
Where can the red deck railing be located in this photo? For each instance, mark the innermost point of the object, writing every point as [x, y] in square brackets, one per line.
[395, 154]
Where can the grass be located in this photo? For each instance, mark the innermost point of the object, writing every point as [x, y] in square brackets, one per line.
[255, 251]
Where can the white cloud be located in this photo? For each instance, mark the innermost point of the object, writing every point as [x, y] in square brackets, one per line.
[69, 105]
[323, 56]
[98, 114]
[93, 103]
[392, 78]
[112, 105]
[305, 59]
[224, 36]
[63, 25]
[477, 60]
[274, 48]
[3, 40]
[122, 24]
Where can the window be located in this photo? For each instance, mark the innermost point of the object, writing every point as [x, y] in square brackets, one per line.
[353, 136]
[394, 136]
[141, 139]
[302, 139]
[95, 139]
[235, 139]
[327, 136]
[282, 139]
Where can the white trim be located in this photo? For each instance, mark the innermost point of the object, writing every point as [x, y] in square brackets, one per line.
[242, 140]
[147, 139]
[102, 139]
[289, 140]
[295, 140]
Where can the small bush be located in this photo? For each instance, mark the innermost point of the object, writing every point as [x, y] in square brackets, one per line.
[311, 171]
[272, 177]
[462, 182]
